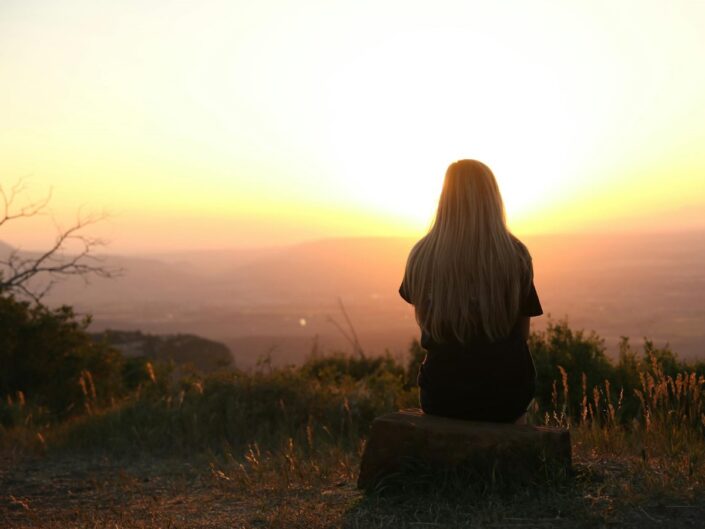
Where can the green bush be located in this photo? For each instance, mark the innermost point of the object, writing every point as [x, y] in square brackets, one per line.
[337, 367]
[54, 372]
[576, 353]
[234, 409]
[48, 357]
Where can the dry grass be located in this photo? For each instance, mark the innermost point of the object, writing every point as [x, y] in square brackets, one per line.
[281, 489]
[297, 467]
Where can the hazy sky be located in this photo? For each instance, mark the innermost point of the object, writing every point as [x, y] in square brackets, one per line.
[214, 124]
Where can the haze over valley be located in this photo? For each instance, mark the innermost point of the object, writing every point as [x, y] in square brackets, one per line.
[280, 302]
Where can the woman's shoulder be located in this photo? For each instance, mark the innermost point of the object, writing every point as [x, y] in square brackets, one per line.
[519, 244]
[523, 254]
[418, 245]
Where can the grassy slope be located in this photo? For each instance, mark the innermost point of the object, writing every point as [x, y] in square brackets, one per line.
[281, 448]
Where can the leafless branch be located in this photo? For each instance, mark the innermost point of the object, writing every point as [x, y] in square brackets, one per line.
[17, 269]
[28, 210]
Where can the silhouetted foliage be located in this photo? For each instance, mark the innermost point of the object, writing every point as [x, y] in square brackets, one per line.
[336, 367]
[47, 356]
[182, 349]
[574, 351]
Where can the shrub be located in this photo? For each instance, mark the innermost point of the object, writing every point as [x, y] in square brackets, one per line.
[47, 355]
[560, 347]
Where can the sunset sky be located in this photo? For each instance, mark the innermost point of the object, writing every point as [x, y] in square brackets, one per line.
[226, 123]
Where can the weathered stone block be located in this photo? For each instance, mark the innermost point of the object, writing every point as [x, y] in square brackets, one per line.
[410, 435]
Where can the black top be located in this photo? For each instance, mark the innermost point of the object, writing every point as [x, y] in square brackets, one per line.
[480, 366]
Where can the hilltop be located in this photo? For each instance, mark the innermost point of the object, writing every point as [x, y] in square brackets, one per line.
[181, 349]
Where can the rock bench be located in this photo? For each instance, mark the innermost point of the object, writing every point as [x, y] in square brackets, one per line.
[410, 435]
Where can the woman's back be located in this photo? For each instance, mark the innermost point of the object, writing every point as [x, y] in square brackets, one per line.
[471, 284]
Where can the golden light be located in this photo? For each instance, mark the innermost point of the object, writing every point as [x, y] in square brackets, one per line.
[405, 108]
[297, 120]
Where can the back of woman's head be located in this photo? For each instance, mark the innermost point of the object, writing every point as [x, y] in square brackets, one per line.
[467, 275]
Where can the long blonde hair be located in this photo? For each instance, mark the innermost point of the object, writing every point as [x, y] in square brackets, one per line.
[466, 276]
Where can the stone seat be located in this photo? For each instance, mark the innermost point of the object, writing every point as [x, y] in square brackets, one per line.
[410, 435]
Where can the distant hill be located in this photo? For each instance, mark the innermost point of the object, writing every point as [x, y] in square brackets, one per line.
[5, 249]
[277, 301]
[344, 267]
[203, 354]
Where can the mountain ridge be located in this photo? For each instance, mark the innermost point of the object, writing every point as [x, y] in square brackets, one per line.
[634, 284]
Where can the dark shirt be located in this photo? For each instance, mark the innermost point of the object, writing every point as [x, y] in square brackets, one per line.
[530, 307]
[480, 379]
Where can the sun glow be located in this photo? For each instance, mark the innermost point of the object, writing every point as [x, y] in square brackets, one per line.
[402, 110]
[303, 119]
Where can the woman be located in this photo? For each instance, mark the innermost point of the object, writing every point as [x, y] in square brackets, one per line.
[471, 283]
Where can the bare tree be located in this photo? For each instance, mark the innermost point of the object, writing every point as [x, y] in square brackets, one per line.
[17, 269]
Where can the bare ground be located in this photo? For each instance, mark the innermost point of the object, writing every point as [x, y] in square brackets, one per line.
[73, 491]
[98, 492]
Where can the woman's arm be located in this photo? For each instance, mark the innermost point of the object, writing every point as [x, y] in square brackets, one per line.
[524, 326]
